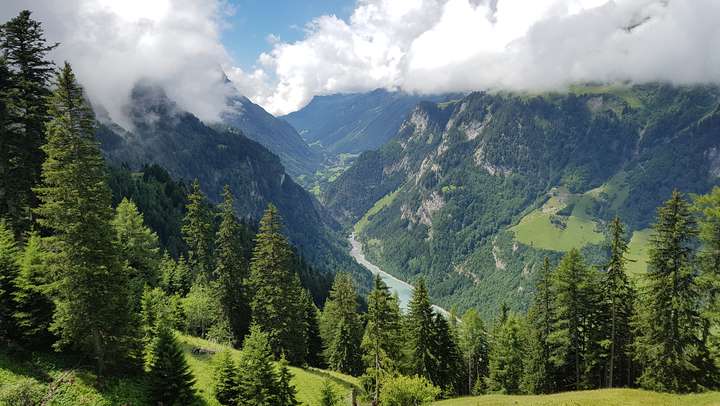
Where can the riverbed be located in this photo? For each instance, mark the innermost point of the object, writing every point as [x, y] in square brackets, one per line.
[403, 289]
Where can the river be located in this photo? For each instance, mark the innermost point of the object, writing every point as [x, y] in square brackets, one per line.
[403, 289]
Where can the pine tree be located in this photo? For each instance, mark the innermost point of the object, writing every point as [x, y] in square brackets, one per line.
[328, 395]
[257, 377]
[420, 332]
[25, 50]
[137, 245]
[707, 207]
[231, 270]
[197, 230]
[34, 306]
[381, 343]
[573, 288]
[170, 379]
[446, 371]
[619, 297]
[507, 354]
[92, 302]
[540, 375]
[277, 305]
[341, 327]
[9, 270]
[286, 391]
[227, 380]
[669, 326]
[314, 356]
[473, 342]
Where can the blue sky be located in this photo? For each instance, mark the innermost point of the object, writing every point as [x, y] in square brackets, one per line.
[254, 20]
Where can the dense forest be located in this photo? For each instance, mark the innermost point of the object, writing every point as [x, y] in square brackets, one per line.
[107, 266]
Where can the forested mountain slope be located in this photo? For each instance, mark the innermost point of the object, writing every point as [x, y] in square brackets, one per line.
[476, 191]
[354, 122]
[274, 134]
[188, 149]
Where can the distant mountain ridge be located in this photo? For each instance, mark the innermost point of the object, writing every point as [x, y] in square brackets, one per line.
[274, 134]
[178, 141]
[472, 193]
[354, 122]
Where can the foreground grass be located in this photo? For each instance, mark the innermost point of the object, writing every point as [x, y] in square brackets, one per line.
[67, 381]
[603, 397]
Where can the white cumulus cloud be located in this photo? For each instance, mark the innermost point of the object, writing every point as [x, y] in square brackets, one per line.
[424, 46]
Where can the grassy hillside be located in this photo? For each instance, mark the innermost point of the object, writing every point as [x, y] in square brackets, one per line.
[604, 397]
[66, 382]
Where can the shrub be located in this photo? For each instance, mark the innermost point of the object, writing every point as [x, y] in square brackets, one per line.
[408, 391]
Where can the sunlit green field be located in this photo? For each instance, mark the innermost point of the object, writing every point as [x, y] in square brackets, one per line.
[66, 382]
[604, 397]
[379, 205]
[538, 230]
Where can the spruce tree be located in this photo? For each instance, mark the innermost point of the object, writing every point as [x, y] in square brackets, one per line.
[619, 296]
[34, 306]
[170, 379]
[25, 50]
[231, 270]
[328, 395]
[277, 305]
[285, 389]
[448, 365]
[420, 332]
[507, 354]
[314, 356]
[197, 231]
[574, 295]
[257, 377]
[137, 245]
[381, 343]
[473, 342]
[540, 375]
[707, 208]
[9, 270]
[669, 326]
[227, 381]
[341, 327]
[92, 301]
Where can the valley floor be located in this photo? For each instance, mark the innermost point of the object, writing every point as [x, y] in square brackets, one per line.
[602, 397]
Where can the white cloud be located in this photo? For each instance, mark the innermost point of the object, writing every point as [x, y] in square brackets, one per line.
[114, 43]
[461, 45]
[424, 46]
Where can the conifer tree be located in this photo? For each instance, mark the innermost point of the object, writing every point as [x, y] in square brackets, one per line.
[277, 305]
[25, 50]
[314, 356]
[286, 391]
[507, 354]
[231, 270]
[669, 326]
[34, 307]
[170, 379]
[707, 207]
[540, 375]
[341, 327]
[574, 295]
[9, 270]
[619, 297]
[227, 381]
[381, 343]
[257, 377]
[137, 245]
[447, 365]
[420, 332]
[473, 342]
[92, 301]
[328, 395]
[197, 230]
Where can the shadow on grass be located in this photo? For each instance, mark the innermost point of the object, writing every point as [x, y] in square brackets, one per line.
[329, 376]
